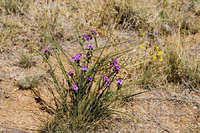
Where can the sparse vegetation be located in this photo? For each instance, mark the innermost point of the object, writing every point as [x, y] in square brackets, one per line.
[141, 59]
[86, 93]
[25, 61]
[182, 70]
[14, 6]
[28, 82]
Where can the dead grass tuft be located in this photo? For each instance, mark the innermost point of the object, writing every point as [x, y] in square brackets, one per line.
[14, 6]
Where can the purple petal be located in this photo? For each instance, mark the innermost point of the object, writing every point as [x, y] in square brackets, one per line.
[46, 51]
[71, 73]
[87, 37]
[90, 47]
[117, 68]
[74, 58]
[75, 87]
[90, 78]
[108, 82]
[78, 56]
[88, 54]
[84, 68]
[94, 32]
[49, 70]
[115, 62]
[120, 81]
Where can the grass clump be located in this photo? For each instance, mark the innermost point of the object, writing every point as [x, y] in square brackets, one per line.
[182, 70]
[9, 32]
[174, 17]
[164, 19]
[189, 26]
[28, 82]
[115, 14]
[84, 96]
[127, 17]
[169, 66]
[194, 6]
[14, 6]
[151, 72]
[25, 61]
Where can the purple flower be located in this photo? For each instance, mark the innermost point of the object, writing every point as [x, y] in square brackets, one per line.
[90, 79]
[117, 68]
[90, 47]
[70, 73]
[77, 57]
[119, 81]
[115, 62]
[75, 87]
[93, 32]
[88, 54]
[107, 80]
[47, 53]
[49, 70]
[84, 68]
[87, 37]
[74, 58]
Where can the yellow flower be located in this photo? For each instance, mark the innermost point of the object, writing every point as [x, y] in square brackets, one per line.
[161, 60]
[157, 48]
[142, 47]
[154, 57]
[160, 53]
